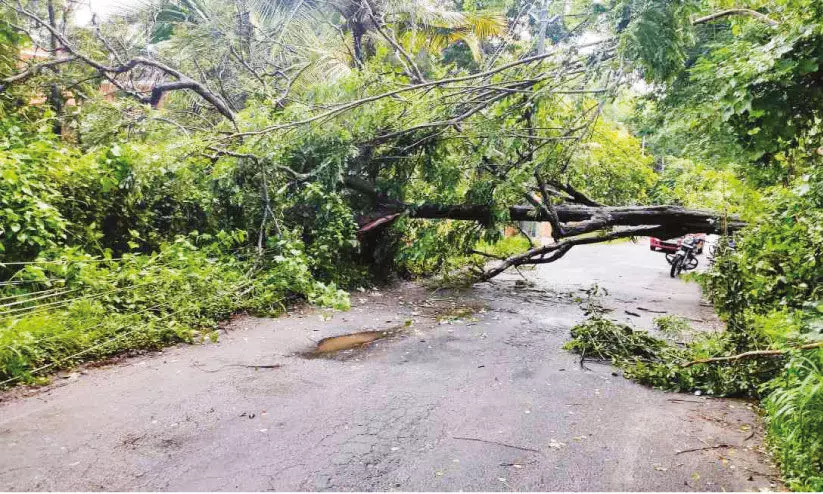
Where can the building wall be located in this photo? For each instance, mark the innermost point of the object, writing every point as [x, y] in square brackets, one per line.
[539, 231]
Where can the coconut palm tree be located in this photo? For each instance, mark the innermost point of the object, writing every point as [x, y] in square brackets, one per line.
[423, 26]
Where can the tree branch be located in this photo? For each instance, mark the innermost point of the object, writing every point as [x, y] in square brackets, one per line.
[413, 71]
[548, 207]
[754, 354]
[575, 194]
[415, 87]
[747, 12]
[32, 71]
[558, 250]
[257, 159]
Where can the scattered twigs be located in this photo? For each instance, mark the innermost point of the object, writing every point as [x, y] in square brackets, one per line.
[651, 310]
[705, 448]
[247, 366]
[498, 443]
[754, 354]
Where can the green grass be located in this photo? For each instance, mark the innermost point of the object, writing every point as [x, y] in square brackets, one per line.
[794, 411]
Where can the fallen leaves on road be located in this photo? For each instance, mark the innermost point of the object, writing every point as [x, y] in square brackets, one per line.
[554, 444]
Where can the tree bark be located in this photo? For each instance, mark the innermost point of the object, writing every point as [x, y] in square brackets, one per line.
[55, 98]
[357, 32]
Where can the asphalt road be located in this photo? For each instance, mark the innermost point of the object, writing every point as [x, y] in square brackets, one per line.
[476, 393]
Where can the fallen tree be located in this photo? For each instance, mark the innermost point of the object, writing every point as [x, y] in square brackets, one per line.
[573, 223]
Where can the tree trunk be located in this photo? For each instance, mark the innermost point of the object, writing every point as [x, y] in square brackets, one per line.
[55, 98]
[542, 25]
[576, 221]
[357, 32]
[589, 218]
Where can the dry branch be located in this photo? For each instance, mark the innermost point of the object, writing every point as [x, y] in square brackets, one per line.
[705, 448]
[498, 443]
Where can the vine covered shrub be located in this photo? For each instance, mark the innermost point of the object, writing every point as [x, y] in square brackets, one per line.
[29, 219]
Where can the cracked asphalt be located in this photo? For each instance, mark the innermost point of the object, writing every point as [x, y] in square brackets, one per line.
[476, 393]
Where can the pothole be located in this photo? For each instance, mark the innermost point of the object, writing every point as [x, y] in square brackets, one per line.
[347, 343]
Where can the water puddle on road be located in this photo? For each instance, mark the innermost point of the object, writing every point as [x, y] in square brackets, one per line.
[334, 345]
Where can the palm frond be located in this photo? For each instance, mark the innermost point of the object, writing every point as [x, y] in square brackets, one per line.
[424, 26]
[473, 43]
[486, 25]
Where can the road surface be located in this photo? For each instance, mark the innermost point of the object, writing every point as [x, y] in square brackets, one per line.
[468, 391]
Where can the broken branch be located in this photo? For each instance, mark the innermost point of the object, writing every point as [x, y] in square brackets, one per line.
[747, 12]
[754, 354]
[521, 448]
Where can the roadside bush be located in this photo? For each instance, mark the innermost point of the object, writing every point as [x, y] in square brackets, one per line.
[29, 219]
[106, 306]
[770, 289]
